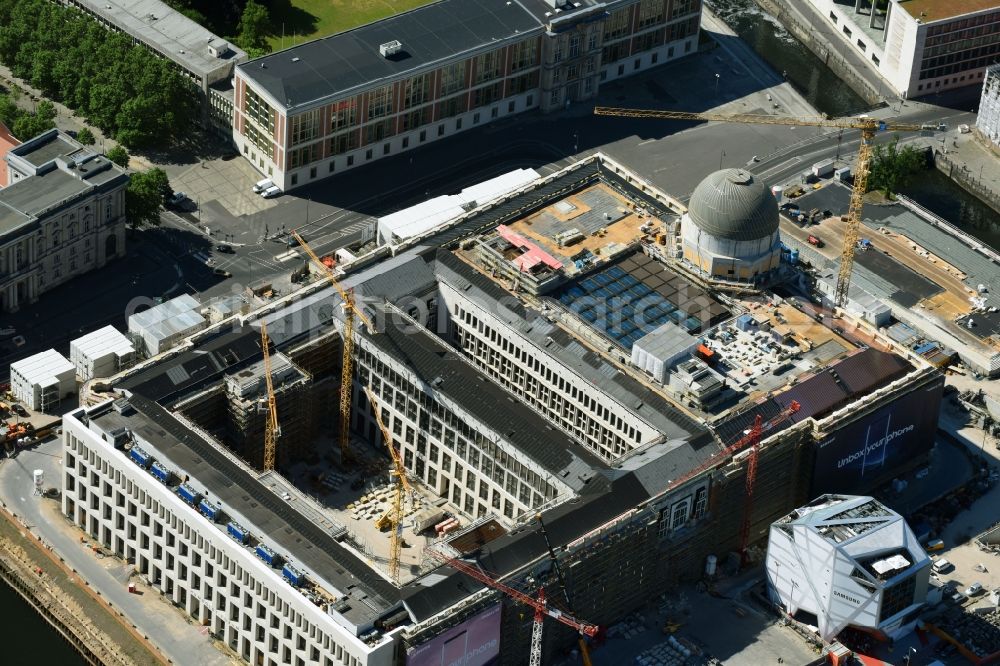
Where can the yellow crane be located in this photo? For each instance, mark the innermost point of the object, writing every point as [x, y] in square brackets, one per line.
[271, 428]
[351, 311]
[402, 486]
[869, 127]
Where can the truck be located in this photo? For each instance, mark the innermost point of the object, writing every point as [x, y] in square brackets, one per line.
[814, 240]
[823, 168]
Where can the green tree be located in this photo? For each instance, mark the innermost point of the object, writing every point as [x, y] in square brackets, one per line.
[30, 125]
[86, 137]
[892, 167]
[119, 156]
[255, 24]
[144, 195]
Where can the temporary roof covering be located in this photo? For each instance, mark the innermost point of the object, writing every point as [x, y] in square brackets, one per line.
[107, 340]
[430, 214]
[166, 320]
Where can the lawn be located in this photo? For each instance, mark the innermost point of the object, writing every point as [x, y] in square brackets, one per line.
[309, 19]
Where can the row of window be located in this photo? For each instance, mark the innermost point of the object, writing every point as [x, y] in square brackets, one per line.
[133, 514]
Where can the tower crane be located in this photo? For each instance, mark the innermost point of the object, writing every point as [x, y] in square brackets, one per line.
[402, 486]
[540, 605]
[351, 311]
[271, 428]
[868, 127]
[584, 652]
[752, 437]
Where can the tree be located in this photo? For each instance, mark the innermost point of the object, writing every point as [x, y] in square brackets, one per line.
[255, 24]
[30, 125]
[119, 156]
[144, 195]
[86, 137]
[892, 166]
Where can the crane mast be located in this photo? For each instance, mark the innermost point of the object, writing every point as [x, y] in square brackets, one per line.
[584, 651]
[351, 312]
[868, 127]
[271, 428]
[402, 486]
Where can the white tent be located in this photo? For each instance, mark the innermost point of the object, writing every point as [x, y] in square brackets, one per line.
[160, 328]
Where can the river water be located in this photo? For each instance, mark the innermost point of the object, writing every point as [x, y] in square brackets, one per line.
[30, 639]
[828, 94]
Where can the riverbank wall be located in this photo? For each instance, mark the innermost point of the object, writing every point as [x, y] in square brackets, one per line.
[961, 175]
[784, 13]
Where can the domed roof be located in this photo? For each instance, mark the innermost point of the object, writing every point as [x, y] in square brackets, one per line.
[733, 204]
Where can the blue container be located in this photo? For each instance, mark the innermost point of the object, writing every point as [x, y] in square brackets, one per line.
[140, 457]
[292, 575]
[266, 554]
[793, 256]
[188, 494]
[238, 532]
[160, 472]
[210, 511]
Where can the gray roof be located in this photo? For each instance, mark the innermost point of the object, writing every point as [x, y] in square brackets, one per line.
[734, 205]
[336, 65]
[170, 33]
[642, 401]
[45, 148]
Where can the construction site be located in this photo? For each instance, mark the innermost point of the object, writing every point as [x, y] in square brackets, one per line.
[552, 394]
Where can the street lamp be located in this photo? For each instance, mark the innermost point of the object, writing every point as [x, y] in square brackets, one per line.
[576, 140]
[717, 77]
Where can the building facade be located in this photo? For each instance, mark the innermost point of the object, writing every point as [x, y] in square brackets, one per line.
[988, 120]
[920, 47]
[62, 214]
[304, 114]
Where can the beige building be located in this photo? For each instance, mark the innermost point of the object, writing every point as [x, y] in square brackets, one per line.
[62, 214]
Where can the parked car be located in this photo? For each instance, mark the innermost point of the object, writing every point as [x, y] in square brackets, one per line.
[974, 589]
[814, 240]
[20, 411]
[176, 199]
[225, 249]
[262, 185]
[222, 273]
[272, 191]
[942, 565]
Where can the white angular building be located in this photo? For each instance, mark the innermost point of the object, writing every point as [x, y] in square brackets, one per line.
[847, 561]
[988, 120]
[42, 380]
[161, 327]
[101, 353]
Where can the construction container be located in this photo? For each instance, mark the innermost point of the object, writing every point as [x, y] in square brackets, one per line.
[426, 518]
[188, 494]
[292, 575]
[140, 457]
[843, 174]
[822, 168]
[266, 554]
[210, 511]
[746, 323]
[160, 472]
[131, 588]
[238, 532]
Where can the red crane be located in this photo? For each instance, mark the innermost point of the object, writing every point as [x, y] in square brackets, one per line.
[540, 604]
[752, 437]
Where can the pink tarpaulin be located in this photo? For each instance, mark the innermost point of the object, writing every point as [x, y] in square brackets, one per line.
[533, 255]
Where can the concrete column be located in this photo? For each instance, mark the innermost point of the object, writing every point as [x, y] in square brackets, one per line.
[888, 15]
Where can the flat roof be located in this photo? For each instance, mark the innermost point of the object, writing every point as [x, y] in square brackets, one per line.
[170, 33]
[45, 148]
[273, 520]
[336, 65]
[43, 368]
[107, 340]
[939, 10]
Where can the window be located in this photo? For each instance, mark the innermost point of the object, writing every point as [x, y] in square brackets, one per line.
[488, 66]
[679, 513]
[650, 12]
[453, 78]
[312, 172]
[555, 97]
[380, 102]
[618, 24]
[524, 55]
[574, 46]
[304, 127]
[847, 31]
[592, 42]
[406, 142]
[417, 90]
[440, 130]
[510, 107]
[258, 110]
[343, 143]
[423, 135]
[833, 17]
[368, 154]
[295, 179]
[861, 45]
[344, 114]
[350, 160]
[385, 149]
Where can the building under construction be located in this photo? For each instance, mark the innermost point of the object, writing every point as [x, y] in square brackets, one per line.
[585, 380]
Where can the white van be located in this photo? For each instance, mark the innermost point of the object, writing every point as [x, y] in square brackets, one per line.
[262, 185]
[272, 191]
[941, 565]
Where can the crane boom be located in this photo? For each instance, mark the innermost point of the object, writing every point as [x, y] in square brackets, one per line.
[271, 429]
[539, 605]
[351, 310]
[868, 126]
[402, 485]
[584, 651]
